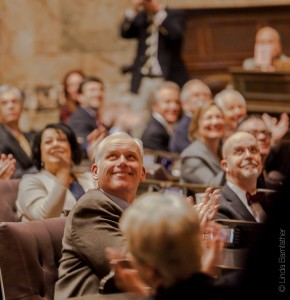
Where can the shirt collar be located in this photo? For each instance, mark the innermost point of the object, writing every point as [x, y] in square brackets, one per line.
[240, 193]
[120, 202]
[169, 127]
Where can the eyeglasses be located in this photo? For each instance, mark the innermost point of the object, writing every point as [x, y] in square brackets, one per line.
[256, 133]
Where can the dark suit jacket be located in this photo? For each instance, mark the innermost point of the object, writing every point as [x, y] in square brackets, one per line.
[82, 123]
[155, 136]
[92, 225]
[231, 207]
[199, 165]
[179, 140]
[8, 144]
[197, 286]
[169, 46]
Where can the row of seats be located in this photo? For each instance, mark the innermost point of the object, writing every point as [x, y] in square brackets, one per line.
[29, 251]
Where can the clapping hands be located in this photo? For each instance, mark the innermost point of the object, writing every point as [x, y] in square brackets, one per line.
[7, 166]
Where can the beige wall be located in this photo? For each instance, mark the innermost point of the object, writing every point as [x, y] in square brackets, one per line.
[42, 39]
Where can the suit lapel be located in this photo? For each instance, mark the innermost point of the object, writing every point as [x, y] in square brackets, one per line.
[237, 204]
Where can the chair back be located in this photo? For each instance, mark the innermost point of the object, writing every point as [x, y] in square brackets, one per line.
[29, 258]
[8, 196]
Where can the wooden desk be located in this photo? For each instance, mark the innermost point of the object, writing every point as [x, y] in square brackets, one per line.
[272, 87]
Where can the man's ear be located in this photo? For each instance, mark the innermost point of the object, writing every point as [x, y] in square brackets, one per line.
[94, 170]
[224, 165]
[143, 175]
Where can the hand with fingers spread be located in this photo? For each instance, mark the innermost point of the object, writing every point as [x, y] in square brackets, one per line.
[213, 246]
[7, 166]
[277, 127]
[94, 138]
[125, 275]
[208, 207]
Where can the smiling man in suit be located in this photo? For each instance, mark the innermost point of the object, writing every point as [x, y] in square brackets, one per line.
[12, 140]
[243, 165]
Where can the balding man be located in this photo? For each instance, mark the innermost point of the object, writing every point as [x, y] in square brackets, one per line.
[266, 37]
[243, 164]
[194, 94]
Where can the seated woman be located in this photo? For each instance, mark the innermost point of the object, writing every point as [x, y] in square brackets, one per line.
[55, 189]
[71, 83]
[200, 161]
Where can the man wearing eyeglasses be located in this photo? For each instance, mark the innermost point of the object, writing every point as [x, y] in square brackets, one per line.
[274, 157]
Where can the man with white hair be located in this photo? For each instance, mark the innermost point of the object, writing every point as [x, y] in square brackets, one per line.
[233, 105]
[93, 223]
[194, 94]
[243, 164]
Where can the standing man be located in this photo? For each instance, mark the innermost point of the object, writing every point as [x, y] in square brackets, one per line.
[12, 139]
[243, 164]
[93, 223]
[159, 32]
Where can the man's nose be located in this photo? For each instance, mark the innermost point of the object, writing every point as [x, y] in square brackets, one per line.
[122, 160]
[248, 153]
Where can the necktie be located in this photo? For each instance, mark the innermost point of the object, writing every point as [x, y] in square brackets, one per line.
[258, 197]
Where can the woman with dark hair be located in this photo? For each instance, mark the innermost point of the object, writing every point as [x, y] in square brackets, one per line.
[71, 83]
[55, 189]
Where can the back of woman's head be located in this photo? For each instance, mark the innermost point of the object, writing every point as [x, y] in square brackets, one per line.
[71, 137]
[163, 231]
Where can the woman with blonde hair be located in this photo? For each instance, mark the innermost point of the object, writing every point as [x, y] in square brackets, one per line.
[200, 161]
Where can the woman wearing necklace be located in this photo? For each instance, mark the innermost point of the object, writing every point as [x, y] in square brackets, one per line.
[55, 189]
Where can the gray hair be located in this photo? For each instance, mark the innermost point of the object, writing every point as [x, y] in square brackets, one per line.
[5, 88]
[186, 89]
[118, 135]
[156, 227]
[228, 92]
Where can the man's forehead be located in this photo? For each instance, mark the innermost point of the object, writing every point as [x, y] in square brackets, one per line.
[121, 144]
[253, 124]
[244, 141]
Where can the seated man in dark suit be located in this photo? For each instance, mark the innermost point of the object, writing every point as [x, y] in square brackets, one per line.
[193, 95]
[86, 119]
[165, 113]
[243, 165]
[12, 139]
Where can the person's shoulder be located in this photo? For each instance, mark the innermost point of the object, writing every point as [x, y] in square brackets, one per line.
[249, 63]
[193, 150]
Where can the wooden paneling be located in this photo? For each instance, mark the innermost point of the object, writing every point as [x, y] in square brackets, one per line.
[217, 39]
